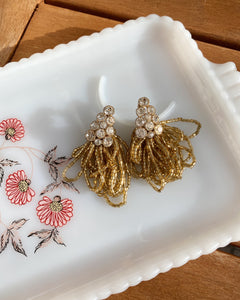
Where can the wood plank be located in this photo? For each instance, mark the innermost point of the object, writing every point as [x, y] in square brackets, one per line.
[214, 276]
[211, 21]
[237, 244]
[218, 54]
[232, 248]
[51, 26]
[14, 17]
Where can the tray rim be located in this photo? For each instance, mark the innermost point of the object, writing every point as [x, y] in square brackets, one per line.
[221, 74]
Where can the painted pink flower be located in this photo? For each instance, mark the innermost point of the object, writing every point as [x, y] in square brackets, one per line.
[17, 188]
[56, 212]
[12, 129]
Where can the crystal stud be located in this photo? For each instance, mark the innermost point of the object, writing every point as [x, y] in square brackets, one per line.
[141, 111]
[149, 126]
[148, 117]
[90, 135]
[107, 141]
[101, 117]
[141, 132]
[110, 131]
[110, 120]
[103, 125]
[100, 133]
[143, 101]
[108, 110]
[98, 142]
[140, 122]
[155, 119]
[151, 110]
[94, 125]
[150, 134]
[158, 129]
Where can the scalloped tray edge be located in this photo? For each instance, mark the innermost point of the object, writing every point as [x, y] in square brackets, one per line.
[227, 79]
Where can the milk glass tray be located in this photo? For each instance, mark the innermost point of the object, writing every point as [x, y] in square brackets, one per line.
[56, 95]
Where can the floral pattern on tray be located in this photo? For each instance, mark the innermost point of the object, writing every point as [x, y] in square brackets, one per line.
[54, 212]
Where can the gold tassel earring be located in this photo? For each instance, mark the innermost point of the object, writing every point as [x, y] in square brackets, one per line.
[159, 152]
[103, 160]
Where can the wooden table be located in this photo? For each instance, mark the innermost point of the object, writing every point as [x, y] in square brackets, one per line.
[30, 26]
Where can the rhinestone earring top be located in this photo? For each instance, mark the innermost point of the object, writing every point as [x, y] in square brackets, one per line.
[103, 160]
[159, 152]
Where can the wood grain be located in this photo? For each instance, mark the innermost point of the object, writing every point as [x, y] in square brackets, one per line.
[237, 244]
[218, 54]
[14, 17]
[215, 276]
[212, 21]
[51, 26]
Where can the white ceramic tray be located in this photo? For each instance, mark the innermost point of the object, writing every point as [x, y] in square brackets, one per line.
[56, 95]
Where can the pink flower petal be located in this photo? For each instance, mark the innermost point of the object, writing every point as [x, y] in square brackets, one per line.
[22, 175]
[31, 192]
[28, 196]
[45, 213]
[47, 199]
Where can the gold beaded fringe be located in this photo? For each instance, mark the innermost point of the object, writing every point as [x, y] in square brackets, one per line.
[105, 169]
[162, 158]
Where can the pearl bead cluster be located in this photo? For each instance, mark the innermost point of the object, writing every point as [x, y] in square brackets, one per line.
[101, 130]
[147, 122]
